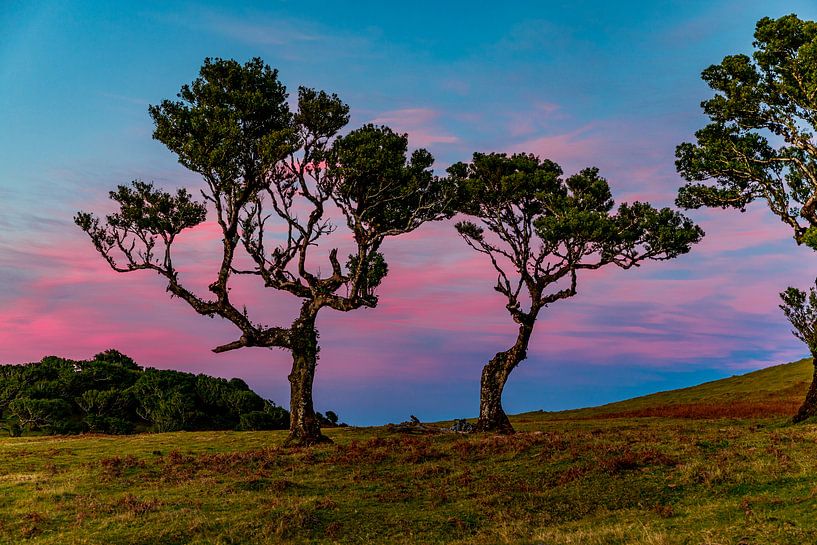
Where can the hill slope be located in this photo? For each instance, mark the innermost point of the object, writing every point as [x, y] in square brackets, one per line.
[776, 390]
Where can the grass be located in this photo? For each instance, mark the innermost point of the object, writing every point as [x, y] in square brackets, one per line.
[594, 476]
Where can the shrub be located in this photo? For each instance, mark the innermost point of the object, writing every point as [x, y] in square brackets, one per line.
[276, 418]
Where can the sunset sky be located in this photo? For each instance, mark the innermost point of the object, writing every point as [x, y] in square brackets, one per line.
[608, 84]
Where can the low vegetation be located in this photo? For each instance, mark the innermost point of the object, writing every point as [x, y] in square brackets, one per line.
[597, 476]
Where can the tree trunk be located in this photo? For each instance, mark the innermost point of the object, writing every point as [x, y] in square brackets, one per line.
[492, 417]
[809, 407]
[304, 428]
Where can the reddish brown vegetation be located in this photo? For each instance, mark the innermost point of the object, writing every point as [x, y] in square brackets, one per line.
[31, 525]
[732, 409]
[489, 446]
[134, 506]
[115, 466]
[626, 459]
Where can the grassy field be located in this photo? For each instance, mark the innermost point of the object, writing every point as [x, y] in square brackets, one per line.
[703, 465]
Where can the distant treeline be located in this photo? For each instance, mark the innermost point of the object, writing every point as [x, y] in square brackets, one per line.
[112, 394]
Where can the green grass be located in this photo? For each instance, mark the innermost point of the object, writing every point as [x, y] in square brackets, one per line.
[580, 477]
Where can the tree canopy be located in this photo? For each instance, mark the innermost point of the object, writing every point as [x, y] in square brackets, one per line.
[543, 227]
[759, 142]
[110, 393]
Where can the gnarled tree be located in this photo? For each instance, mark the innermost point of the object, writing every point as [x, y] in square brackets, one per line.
[759, 144]
[263, 165]
[539, 229]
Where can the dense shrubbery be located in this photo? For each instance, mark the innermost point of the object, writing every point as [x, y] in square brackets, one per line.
[112, 394]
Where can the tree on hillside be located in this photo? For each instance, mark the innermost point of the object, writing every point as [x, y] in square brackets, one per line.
[539, 229]
[271, 177]
[801, 310]
[759, 144]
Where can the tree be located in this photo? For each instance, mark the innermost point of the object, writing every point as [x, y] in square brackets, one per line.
[801, 310]
[332, 417]
[759, 142]
[166, 399]
[116, 357]
[12, 382]
[263, 164]
[35, 414]
[539, 229]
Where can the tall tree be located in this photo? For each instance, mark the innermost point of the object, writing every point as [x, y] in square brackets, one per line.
[759, 144]
[539, 229]
[266, 167]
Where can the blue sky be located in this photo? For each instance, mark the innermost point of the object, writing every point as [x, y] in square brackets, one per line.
[614, 85]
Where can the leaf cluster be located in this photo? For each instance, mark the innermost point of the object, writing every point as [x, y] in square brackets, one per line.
[231, 125]
[382, 187]
[539, 227]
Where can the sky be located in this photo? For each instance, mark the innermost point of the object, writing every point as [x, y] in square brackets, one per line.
[609, 84]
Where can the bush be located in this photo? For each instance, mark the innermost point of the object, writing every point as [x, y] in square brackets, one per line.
[37, 414]
[107, 424]
[14, 429]
[276, 418]
[332, 417]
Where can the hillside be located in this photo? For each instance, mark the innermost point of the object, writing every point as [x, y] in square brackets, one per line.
[776, 390]
[578, 477]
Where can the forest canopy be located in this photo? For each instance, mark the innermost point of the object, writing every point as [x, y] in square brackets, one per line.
[113, 394]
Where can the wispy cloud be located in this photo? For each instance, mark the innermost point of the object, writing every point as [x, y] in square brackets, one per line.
[262, 30]
[422, 125]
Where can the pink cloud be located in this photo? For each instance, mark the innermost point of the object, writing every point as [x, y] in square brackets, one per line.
[421, 125]
[573, 150]
[539, 116]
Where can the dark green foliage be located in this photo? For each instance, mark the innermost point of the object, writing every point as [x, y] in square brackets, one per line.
[141, 209]
[329, 420]
[759, 143]
[271, 418]
[40, 414]
[377, 182]
[332, 417]
[115, 356]
[151, 215]
[376, 270]
[231, 125]
[107, 411]
[112, 394]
